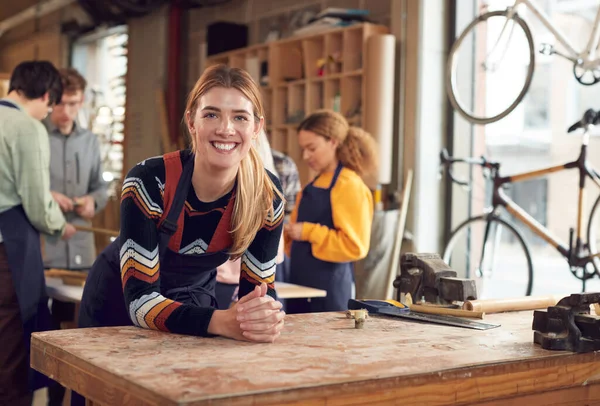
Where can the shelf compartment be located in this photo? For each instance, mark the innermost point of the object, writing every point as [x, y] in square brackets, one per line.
[314, 56]
[353, 49]
[331, 99]
[296, 108]
[314, 96]
[263, 59]
[280, 105]
[351, 92]
[334, 52]
[287, 64]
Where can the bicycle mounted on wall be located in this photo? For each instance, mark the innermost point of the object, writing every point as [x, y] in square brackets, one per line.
[478, 253]
[510, 22]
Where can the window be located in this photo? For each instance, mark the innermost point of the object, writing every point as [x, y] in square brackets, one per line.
[536, 103]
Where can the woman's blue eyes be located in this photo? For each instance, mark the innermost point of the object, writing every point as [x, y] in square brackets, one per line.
[238, 118]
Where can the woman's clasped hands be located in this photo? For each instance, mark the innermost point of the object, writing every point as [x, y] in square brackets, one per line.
[255, 317]
[260, 316]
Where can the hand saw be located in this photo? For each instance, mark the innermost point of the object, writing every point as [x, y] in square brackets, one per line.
[396, 309]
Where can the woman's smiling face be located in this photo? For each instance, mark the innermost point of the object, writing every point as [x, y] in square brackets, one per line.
[223, 127]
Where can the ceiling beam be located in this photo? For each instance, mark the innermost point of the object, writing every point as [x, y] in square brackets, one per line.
[32, 12]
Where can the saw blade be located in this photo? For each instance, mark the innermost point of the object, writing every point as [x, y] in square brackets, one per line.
[437, 319]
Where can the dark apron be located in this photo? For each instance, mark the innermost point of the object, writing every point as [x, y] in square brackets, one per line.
[334, 277]
[24, 253]
[184, 278]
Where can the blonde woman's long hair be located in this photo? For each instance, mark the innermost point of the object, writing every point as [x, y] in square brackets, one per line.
[255, 191]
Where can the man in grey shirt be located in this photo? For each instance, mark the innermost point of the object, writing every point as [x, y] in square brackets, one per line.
[75, 176]
[78, 187]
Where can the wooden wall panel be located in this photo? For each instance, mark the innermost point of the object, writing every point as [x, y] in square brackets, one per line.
[146, 75]
[11, 56]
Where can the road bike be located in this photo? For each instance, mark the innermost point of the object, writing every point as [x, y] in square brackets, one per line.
[504, 38]
[474, 247]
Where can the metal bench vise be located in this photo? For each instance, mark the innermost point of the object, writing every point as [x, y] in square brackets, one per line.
[568, 326]
[427, 276]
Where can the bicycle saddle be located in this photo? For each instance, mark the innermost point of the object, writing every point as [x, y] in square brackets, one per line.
[590, 117]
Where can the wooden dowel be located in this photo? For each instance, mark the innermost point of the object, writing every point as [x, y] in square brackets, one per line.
[54, 272]
[98, 230]
[446, 311]
[511, 304]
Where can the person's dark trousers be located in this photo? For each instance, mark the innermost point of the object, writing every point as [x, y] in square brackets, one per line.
[14, 362]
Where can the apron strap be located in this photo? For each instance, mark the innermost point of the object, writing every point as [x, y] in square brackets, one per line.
[174, 199]
[6, 103]
[336, 174]
[222, 239]
[177, 184]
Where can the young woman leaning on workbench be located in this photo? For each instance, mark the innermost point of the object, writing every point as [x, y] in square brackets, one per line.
[331, 225]
[184, 214]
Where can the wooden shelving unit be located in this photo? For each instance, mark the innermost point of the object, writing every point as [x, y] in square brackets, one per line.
[302, 74]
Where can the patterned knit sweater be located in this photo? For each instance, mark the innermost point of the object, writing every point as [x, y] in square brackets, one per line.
[141, 209]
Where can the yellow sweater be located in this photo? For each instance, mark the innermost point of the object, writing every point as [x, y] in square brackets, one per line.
[352, 211]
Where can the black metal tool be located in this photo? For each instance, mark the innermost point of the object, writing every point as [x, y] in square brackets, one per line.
[397, 309]
[568, 326]
[427, 276]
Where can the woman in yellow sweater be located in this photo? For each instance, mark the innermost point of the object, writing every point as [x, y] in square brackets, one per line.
[331, 225]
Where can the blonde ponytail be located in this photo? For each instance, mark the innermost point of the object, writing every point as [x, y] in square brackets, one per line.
[358, 152]
[254, 196]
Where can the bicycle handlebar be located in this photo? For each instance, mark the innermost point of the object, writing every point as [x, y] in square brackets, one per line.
[447, 161]
[590, 118]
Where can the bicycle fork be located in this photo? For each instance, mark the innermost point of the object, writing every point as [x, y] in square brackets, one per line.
[490, 247]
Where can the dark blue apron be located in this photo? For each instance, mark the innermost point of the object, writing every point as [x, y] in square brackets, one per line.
[334, 277]
[184, 278]
[24, 252]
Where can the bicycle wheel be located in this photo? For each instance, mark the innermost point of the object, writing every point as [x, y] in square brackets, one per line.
[493, 252]
[593, 234]
[490, 94]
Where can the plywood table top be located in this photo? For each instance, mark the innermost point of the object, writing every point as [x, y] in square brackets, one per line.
[319, 358]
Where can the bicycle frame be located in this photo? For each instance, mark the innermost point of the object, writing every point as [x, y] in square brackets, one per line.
[501, 199]
[587, 57]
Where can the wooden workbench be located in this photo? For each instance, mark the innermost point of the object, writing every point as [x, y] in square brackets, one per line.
[322, 359]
